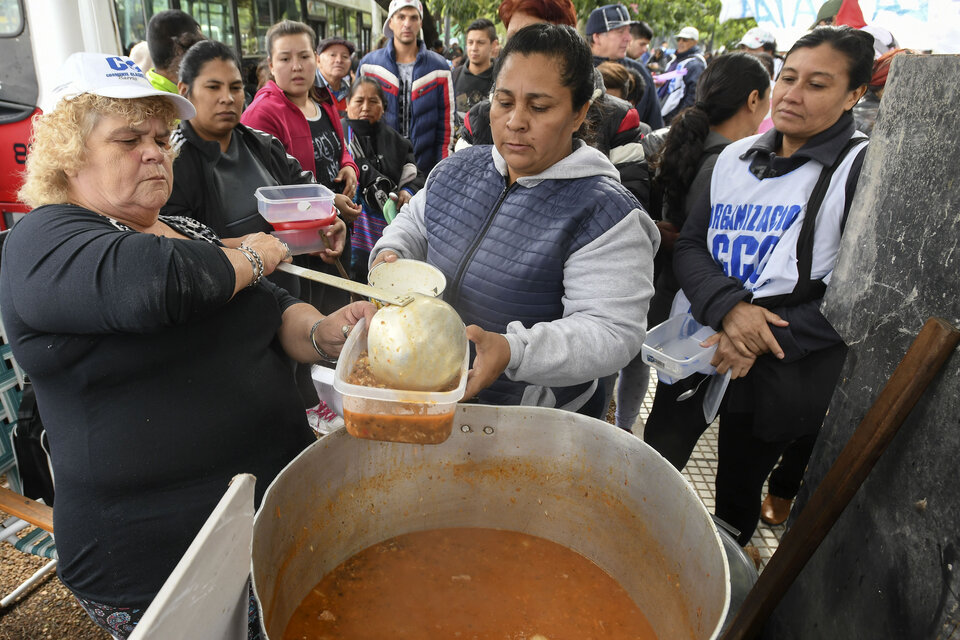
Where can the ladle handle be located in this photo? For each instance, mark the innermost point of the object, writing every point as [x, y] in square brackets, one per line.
[364, 290]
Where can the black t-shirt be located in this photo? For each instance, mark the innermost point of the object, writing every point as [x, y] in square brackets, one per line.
[326, 149]
[471, 89]
[238, 174]
[156, 388]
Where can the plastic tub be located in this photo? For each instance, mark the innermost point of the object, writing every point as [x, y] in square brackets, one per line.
[295, 203]
[323, 383]
[407, 276]
[417, 417]
[307, 240]
[673, 349]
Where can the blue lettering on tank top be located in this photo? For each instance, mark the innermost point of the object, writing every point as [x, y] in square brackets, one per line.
[720, 251]
[763, 225]
[745, 234]
[744, 248]
[766, 246]
[740, 216]
[789, 217]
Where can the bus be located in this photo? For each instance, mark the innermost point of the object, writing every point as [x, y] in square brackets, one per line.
[37, 36]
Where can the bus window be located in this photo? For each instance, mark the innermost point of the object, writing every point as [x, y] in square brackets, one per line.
[132, 17]
[215, 19]
[11, 18]
[255, 19]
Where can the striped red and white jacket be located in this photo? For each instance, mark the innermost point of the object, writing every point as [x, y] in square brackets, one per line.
[424, 111]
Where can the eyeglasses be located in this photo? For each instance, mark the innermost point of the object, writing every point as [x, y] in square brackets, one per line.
[615, 17]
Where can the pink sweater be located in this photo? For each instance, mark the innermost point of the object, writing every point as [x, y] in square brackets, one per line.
[272, 111]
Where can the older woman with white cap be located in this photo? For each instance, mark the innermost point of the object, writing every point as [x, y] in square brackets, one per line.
[159, 356]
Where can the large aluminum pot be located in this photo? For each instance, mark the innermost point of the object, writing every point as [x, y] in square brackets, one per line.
[577, 481]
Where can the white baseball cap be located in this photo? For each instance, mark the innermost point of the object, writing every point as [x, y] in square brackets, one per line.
[689, 33]
[756, 38]
[396, 5]
[883, 40]
[112, 76]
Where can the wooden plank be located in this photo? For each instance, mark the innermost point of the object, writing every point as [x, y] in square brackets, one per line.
[36, 513]
[921, 363]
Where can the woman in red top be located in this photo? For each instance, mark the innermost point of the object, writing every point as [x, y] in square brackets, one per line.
[300, 114]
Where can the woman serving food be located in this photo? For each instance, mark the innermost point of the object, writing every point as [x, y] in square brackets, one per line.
[160, 356]
[548, 257]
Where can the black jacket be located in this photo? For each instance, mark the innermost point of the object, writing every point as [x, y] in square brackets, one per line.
[194, 194]
[648, 107]
[378, 149]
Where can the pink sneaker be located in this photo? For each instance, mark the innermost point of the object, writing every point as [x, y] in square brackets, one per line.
[323, 419]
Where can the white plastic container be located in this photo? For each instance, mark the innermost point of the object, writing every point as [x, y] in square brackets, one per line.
[673, 349]
[418, 417]
[323, 383]
[296, 203]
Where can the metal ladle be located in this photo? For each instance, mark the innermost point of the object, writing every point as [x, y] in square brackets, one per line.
[419, 347]
[416, 342]
[364, 290]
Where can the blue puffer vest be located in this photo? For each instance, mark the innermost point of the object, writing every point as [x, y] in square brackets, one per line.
[503, 249]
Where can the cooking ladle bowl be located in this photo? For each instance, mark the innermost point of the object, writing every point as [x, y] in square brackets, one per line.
[416, 342]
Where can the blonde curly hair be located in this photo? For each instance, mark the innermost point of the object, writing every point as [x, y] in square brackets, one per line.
[58, 143]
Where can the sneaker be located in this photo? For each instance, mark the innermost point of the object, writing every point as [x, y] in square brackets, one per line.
[323, 419]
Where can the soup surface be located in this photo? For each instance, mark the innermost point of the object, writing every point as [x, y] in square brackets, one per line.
[474, 584]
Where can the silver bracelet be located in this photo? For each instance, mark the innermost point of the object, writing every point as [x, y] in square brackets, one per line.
[258, 268]
[326, 357]
[253, 263]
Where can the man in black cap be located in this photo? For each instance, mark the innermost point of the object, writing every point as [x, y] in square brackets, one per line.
[608, 31]
[333, 65]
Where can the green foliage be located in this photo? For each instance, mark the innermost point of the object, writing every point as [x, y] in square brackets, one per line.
[666, 18]
[463, 12]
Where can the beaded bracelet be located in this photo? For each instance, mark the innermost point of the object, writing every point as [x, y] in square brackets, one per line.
[313, 339]
[258, 268]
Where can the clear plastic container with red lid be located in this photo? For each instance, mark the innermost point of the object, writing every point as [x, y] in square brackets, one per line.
[303, 205]
[299, 214]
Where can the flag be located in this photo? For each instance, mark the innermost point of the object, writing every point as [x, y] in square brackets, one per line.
[850, 15]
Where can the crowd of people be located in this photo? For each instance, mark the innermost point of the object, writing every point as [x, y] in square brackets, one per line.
[575, 189]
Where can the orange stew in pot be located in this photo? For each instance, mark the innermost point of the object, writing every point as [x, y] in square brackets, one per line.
[470, 583]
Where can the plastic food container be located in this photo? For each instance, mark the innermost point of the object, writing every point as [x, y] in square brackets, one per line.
[417, 417]
[323, 383]
[307, 239]
[407, 276]
[296, 203]
[673, 349]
